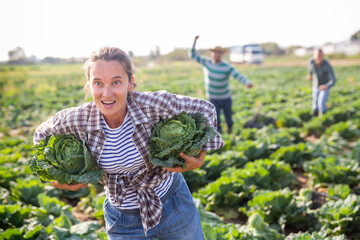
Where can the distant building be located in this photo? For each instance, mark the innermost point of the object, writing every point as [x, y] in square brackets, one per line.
[347, 47]
[302, 51]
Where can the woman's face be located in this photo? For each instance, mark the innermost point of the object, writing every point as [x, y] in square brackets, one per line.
[109, 85]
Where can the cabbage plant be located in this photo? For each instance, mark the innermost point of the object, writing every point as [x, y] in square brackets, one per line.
[65, 159]
[182, 133]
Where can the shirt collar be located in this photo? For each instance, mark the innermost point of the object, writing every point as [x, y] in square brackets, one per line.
[94, 121]
[137, 116]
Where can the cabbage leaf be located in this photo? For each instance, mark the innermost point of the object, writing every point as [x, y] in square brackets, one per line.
[65, 159]
[182, 133]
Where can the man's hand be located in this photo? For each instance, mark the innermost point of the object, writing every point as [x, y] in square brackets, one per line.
[249, 85]
[70, 187]
[309, 77]
[191, 162]
[195, 39]
[323, 87]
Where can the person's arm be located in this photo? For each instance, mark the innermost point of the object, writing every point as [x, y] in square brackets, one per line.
[310, 71]
[191, 162]
[194, 55]
[49, 128]
[331, 77]
[241, 78]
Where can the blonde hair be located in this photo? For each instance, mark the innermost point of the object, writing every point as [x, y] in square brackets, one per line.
[108, 54]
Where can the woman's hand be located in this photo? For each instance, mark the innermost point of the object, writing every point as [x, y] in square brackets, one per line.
[191, 162]
[70, 187]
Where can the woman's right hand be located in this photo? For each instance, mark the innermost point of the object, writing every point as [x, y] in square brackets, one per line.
[70, 187]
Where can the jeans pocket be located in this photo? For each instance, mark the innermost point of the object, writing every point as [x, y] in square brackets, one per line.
[184, 195]
[119, 221]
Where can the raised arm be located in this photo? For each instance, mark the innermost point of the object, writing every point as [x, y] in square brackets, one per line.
[195, 40]
[194, 55]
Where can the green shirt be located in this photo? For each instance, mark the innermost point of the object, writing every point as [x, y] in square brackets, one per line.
[322, 75]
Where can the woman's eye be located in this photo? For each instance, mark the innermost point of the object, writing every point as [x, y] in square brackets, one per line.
[97, 83]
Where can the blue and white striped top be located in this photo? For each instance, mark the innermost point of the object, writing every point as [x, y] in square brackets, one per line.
[120, 156]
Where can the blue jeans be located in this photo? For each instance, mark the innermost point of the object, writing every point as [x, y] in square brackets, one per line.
[180, 218]
[225, 105]
[319, 98]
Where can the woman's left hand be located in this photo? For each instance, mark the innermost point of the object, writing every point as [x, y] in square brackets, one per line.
[191, 162]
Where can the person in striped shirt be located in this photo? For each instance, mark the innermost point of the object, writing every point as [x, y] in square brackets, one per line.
[143, 201]
[216, 76]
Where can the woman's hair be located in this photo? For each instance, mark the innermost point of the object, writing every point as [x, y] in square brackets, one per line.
[108, 54]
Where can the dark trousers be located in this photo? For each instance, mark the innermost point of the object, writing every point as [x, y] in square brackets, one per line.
[225, 105]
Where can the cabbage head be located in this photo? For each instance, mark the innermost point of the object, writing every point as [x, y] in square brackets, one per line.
[182, 133]
[65, 159]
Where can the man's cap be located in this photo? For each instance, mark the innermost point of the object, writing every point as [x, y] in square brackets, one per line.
[218, 49]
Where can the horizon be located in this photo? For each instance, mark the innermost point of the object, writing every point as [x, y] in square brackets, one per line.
[68, 29]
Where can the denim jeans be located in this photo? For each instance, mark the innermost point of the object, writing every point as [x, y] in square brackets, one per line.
[224, 104]
[319, 98]
[180, 218]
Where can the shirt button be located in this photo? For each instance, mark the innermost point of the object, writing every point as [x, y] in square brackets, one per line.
[99, 148]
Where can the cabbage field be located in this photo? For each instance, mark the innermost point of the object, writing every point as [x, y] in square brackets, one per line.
[283, 174]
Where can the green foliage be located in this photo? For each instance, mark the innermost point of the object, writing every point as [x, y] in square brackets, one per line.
[355, 154]
[65, 159]
[183, 133]
[313, 236]
[216, 163]
[257, 229]
[295, 155]
[13, 215]
[282, 209]
[253, 149]
[342, 216]
[27, 190]
[339, 191]
[347, 130]
[333, 170]
[235, 186]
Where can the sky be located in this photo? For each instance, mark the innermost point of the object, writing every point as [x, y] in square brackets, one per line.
[75, 28]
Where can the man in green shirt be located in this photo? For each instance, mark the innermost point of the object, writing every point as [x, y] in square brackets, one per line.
[322, 75]
[216, 76]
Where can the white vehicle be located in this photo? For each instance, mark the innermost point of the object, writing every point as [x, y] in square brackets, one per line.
[250, 53]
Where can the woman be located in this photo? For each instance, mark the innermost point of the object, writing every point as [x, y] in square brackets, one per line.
[143, 201]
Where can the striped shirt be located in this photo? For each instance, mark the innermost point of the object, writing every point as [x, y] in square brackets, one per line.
[145, 110]
[120, 156]
[216, 76]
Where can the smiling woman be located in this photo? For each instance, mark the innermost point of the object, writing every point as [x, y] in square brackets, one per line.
[109, 86]
[116, 127]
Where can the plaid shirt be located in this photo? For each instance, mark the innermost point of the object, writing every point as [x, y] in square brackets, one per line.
[145, 110]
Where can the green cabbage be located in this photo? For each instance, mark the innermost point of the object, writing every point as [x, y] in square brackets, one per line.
[65, 159]
[183, 133]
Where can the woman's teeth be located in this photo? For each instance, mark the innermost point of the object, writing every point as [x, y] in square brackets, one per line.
[108, 102]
